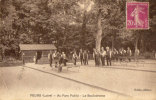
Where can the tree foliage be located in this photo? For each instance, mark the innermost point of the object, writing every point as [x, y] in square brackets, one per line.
[62, 22]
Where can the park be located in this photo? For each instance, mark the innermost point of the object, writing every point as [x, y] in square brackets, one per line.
[77, 49]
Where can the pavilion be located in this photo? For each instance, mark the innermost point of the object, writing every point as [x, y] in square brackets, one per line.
[40, 51]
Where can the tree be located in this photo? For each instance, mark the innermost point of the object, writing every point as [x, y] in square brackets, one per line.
[66, 24]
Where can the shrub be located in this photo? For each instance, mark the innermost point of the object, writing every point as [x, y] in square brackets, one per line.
[148, 55]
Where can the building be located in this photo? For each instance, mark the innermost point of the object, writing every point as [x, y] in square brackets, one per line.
[39, 51]
[1, 56]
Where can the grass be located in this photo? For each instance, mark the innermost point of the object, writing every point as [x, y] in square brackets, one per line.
[10, 63]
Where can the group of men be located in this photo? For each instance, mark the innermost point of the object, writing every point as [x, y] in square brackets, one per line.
[106, 55]
[99, 56]
[58, 58]
[102, 57]
[83, 56]
[123, 54]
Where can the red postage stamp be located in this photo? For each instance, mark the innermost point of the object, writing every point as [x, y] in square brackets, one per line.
[137, 14]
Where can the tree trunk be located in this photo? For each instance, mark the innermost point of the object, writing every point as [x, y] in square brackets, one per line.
[99, 31]
[83, 33]
[142, 43]
[136, 44]
[136, 40]
[38, 40]
[112, 42]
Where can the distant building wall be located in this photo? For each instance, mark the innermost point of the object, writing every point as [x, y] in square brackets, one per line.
[1, 58]
[29, 55]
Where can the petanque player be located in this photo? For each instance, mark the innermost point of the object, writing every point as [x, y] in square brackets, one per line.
[81, 56]
[85, 57]
[108, 56]
[129, 54]
[75, 57]
[103, 55]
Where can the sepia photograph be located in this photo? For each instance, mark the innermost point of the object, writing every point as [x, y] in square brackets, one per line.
[77, 49]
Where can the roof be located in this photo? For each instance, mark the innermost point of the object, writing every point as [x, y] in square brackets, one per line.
[37, 47]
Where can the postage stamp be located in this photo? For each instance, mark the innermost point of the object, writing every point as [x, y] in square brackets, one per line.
[137, 15]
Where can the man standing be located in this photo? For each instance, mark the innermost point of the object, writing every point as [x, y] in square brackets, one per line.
[75, 57]
[129, 54]
[85, 57]
[137, 53]
[55, 57]
[96, 55]
[50, 58]
[103, 55]
[115, 54]
[81, 56]
[23, 61]
[108, 56]
[121, 54]
[36, 56]
[64, 58]
[60, 60]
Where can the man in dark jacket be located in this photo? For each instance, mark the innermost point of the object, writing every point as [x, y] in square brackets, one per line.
[50, 58]
[108, 56]
[64, 58]
[85, 57]
[81, 56]
[75, 56]
[129, 54]
[96, 56]
[103, 55]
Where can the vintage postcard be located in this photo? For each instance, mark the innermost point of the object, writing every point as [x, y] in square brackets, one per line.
[78, 50]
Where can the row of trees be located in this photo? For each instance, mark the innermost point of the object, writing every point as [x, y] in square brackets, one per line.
[72, 24]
